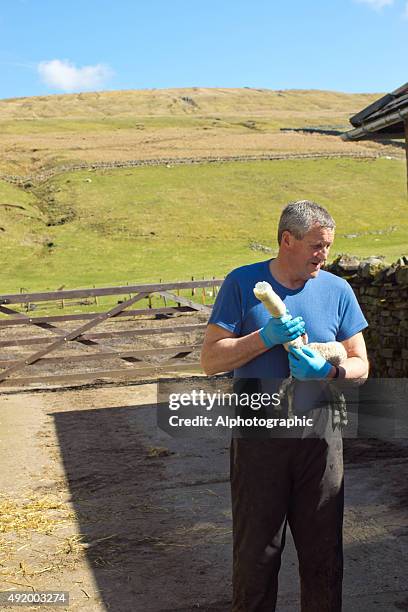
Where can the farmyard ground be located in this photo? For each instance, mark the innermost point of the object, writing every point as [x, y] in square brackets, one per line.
[134, 520]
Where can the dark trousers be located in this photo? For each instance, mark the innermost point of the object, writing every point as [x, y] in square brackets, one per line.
[279, 481]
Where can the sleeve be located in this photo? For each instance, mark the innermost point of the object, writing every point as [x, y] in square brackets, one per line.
[351, 318]
[227, 310]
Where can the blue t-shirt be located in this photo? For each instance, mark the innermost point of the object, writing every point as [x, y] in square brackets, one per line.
[326, 302]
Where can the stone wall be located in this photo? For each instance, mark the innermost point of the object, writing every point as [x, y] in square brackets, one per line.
[28, 181]
[382, 292]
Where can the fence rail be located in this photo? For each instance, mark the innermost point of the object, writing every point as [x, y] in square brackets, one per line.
[64, 294]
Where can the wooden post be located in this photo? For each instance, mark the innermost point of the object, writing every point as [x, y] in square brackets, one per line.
[406, 147]
[164, 299]
[62, 299]
[193, 289]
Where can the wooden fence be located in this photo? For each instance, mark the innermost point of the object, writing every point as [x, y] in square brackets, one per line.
[146, 329]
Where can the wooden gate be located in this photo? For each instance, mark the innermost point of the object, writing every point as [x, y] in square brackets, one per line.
[147, 330]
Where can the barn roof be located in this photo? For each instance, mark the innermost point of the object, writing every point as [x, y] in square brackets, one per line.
[383, 119]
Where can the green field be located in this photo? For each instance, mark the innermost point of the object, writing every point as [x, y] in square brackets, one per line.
[146, 224]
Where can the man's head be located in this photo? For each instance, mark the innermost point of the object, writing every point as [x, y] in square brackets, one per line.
[305, 235]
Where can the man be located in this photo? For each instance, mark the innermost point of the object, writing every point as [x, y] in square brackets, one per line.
[285, 479]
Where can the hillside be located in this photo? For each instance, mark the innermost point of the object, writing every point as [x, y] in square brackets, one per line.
[44, 132]
[146, 224]
[171, 222]
[176, 102]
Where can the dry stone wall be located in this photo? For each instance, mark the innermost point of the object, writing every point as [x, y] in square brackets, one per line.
[28, 181]
[382, 292]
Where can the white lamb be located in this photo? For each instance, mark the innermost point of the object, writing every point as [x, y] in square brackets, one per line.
[334, 352]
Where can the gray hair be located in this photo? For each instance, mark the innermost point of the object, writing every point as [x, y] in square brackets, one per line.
[299, 217]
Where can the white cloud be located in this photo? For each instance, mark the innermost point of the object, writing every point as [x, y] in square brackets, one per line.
[65, 76]
[376, 4]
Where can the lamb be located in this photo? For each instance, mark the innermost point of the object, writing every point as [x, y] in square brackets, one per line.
[334, 352]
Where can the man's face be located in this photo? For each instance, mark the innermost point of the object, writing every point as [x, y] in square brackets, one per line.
[309, 254]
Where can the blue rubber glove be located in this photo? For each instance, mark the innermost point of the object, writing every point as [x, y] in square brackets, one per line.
[279, 330]
[306, 365]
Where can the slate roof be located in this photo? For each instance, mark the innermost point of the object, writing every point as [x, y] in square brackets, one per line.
[383, 119]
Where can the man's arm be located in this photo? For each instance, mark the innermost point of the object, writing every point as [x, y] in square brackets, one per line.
[223, 351]
[356, 365]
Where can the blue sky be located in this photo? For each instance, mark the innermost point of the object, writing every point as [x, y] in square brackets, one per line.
[86, 45]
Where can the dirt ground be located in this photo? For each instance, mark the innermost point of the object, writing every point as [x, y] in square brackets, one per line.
[95, 500]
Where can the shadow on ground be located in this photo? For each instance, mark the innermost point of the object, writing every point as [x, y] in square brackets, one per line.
[154, 511]
[155, 515]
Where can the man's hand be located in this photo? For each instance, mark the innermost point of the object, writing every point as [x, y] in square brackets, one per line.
[306, 365]
[279, 330]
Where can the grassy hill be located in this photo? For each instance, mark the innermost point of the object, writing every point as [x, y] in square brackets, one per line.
[150, 223]
[179, 102]
[147, 224]
[42, 132]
